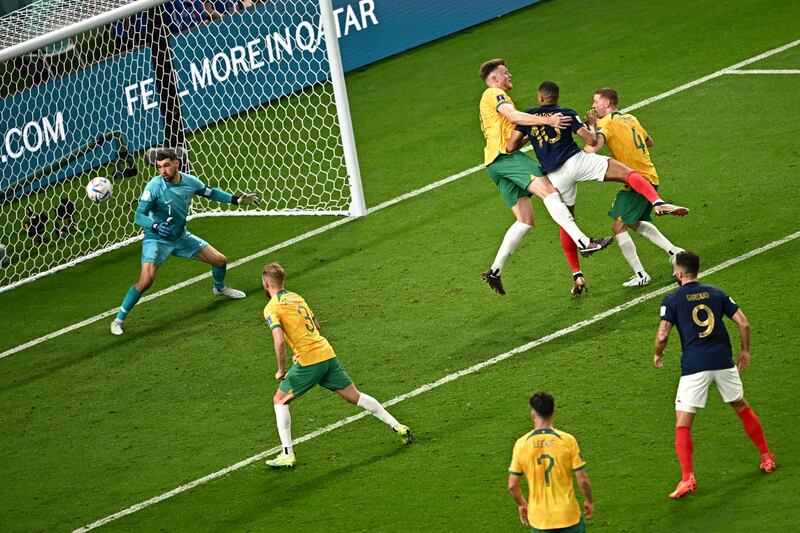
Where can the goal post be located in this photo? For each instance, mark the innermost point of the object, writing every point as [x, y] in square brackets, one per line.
[253, 96]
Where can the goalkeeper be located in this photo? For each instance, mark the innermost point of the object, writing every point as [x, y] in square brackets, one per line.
[162, 213]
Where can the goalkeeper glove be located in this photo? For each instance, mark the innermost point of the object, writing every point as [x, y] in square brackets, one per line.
[162, 228]
[247, 198]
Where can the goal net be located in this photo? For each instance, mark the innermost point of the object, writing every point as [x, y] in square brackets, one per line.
[250, 93]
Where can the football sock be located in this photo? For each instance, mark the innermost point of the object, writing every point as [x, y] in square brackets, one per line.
[561, 215]
[284, 421]
[651, 233]
[372, 405]
[576, 275]
[127, 304]
[219, 276]
[628, 250]
[754, 430]
[642, 186]
[511, 242]
[684, 449]
[570, 251]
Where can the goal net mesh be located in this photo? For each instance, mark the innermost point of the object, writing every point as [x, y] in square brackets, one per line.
[242, 89]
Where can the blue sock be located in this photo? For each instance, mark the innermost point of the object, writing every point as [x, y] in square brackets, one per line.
[219, 276]
[127, 304]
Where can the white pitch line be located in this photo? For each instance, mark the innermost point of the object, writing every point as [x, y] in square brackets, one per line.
[371, 210]
[756, 71]
[433, 385]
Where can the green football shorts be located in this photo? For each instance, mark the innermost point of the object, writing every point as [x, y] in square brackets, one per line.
[631, 207]
[580, 527]
[329, 374]
[512, 173]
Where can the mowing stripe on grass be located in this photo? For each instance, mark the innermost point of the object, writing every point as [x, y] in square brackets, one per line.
[412, 194]
[435, 384]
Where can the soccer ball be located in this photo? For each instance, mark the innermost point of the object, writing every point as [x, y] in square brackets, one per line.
[99, 190]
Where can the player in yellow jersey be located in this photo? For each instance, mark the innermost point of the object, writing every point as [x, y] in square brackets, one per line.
[291, 320]
[547, 457]
[629, 142]
[517, 175]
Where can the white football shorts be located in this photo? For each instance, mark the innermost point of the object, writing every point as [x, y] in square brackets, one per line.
[693, 389]
[582, 166]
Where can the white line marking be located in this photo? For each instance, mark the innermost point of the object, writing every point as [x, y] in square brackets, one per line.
[438, 383]
[371, 210]
[756, 71]
[716, 74]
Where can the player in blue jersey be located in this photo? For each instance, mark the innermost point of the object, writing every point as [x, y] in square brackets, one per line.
[566, 164]
[163, 208]
[706, 357]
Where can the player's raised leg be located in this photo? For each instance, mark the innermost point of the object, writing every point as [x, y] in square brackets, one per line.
[561, 215]
[684, 448]
[618, 172]
[367, 402]
[283, 420]
[219, 266]
[147, 275]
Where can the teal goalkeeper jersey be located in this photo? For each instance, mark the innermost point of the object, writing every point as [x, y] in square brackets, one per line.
[161, 200]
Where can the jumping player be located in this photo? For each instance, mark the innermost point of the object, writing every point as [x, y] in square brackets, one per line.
[566, 165]
[517, 175]
[630, 144]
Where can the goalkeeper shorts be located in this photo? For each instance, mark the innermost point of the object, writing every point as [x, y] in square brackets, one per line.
[156, 250]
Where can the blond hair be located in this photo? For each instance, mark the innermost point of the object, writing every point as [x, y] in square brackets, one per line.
[274, 273]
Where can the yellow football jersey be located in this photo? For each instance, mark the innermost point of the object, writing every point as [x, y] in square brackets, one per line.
[547, 458]
[625, 137]
[496, 128]
[290, 312]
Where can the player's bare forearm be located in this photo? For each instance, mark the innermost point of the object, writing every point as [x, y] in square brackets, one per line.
[649, 142]
[515, 142]
[744, 328]
[586, 488]
[662, 337]
[589, 136]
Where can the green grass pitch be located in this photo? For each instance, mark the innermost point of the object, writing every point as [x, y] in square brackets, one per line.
[93, 424]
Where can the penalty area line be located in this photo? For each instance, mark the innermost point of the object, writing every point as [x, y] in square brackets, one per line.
[412, 194]
[433, 385]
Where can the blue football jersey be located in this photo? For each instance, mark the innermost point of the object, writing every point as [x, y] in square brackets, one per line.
[161, 200]
[553, 146]
[697, 311]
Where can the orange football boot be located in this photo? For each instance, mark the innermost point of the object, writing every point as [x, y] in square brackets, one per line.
[684, 488]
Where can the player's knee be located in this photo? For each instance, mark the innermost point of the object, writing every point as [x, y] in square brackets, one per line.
[739, 405]
[220, 261]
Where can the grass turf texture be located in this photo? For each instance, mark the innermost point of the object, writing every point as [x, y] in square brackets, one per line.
[94, 424]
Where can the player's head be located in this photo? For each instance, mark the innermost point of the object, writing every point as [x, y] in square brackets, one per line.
[543, 406]
[168, 163]
[495, 74]
[605, 101]
[548, 92]
[687, 266]
[273, 278]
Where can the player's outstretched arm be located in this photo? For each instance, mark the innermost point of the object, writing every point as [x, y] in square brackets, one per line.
[245, 198]
[586, 488]
[279, 342]
[556, 120]
[743, 361]
[661, 342]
